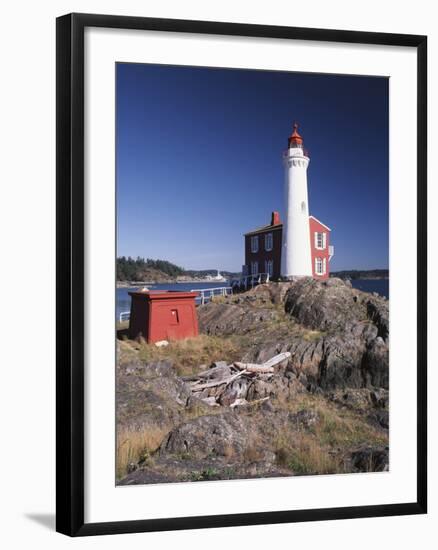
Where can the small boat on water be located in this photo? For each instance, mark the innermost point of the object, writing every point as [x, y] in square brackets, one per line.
[216, 278]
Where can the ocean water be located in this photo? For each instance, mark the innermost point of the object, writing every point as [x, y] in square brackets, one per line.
[123, 300]
[381, 286]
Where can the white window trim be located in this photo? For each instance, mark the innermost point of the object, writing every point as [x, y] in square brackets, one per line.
[254, 268]
[323, 264]
[269, 267]
[267, 236]
[254, 244]
[324, 240]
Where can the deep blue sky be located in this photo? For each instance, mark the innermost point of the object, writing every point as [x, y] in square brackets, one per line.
[199, 161]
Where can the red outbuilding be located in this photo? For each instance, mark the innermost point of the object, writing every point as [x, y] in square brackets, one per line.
[157, 315]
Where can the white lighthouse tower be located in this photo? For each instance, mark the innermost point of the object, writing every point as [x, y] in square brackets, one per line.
[296, 252]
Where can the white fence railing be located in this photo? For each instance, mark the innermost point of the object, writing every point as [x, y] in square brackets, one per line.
[124, 316]
[250, 281]
[206, 294]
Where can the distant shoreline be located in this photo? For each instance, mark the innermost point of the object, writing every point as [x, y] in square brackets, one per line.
[129, 284]
[361, 278]
[365, 274]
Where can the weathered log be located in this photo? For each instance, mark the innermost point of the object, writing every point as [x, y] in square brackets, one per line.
[211, 401]
[266, 367]
[214, 383]
[252, 367]
[240, 402]
[277, 359]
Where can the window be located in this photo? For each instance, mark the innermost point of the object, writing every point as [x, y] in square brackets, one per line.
[255, 243]
[320, 240]
[320, 266]
[174, 318]
[269, 267]
[303, 206]
[254, 268]
[268, 241]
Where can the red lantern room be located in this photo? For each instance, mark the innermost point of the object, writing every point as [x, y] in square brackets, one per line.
[295, 140]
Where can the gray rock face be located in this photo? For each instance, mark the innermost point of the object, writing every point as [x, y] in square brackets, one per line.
[348, 350]
[378, 313]
[172, 470]
[361, 399]
[226, 319]
[152, 395]
[370, 459]
[214, 435]
[278, 386]
[375, 364]
[232, 435]
[335, 305]
[328, 305]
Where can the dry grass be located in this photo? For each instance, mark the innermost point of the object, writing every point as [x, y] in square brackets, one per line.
[189, 354]
[252, 454]
[304, 454]
[312, 335]
[337, 426]
[135, 445]
[343, 428]
[319, 449]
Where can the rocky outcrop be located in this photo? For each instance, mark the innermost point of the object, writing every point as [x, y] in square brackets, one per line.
[334, 306]
[328, 306]
[370, 459]
[339, 339]
[361, 399]
[152, 395]
[214, 435]
[322, 409]
[281, 386]
[235, 434]
[230, 318]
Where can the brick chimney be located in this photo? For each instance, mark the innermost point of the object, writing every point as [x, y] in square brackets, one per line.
[275, 218]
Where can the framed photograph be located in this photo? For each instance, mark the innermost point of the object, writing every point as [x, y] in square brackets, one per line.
[241, 274]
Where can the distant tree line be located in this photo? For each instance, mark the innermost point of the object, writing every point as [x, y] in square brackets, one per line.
[129, 269]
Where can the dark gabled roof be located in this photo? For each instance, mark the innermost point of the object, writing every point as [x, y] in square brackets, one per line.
[264, 229]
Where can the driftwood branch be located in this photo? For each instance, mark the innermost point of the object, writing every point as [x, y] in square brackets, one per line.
[218, 388]
[252, 367]
[277, 359]
[267, 367]
[241, 402]
[214, 383]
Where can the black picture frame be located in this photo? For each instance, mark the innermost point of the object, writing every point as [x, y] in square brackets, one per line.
[70, 273]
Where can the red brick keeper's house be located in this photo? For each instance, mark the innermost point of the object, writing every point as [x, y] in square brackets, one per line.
[263, 249]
